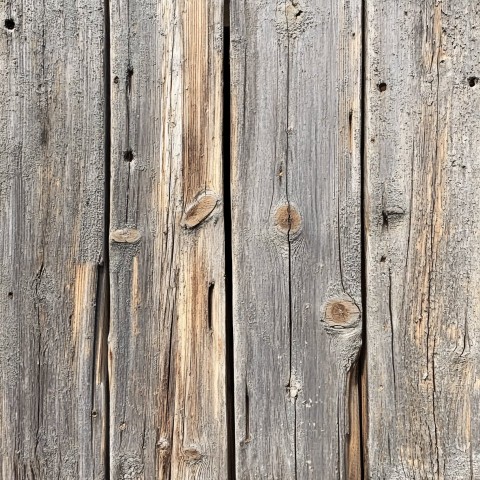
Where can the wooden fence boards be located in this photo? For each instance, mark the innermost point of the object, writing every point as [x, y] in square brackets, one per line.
[422, 218]
[167, 331]
[296, 236]
[51, 250]
[151, 258]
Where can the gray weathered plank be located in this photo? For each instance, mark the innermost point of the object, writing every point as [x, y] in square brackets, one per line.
[296, 237]
[167, 331]
[51, 219]
[423, 245]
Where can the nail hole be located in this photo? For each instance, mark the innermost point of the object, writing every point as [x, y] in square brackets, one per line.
[94, 413]
[382, 86]
[9, 24]
[10, 294]
[472, 81]
[382, 260]
[115, 80]
[128, 155]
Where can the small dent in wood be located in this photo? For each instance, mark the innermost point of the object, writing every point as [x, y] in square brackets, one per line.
[342, 313]
[129, 78]
[9, 24]
[391, 216]
[472, 81]
[382, 86]
[126, 235]
[163, 444]
[10, 294]
[128, 155]
[287, 220]
[199, 210]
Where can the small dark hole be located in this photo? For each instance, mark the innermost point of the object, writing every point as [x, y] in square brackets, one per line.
[210, 305]
[372, 140]
[383, 258]
[10, 294]
[9, 24]
[385, 218]
[128, 155]
[130, 71]
[115, 80]
[472, 81]
[298, 13]
[382, 86]
[94, 413]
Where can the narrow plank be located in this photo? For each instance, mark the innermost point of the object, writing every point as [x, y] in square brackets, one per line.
[167, 331]
[296, 237]
[422, 221]
[51, 247]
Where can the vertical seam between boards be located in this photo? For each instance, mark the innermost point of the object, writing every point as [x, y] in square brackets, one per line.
[361, 371]
[106, 246]
[226, 166]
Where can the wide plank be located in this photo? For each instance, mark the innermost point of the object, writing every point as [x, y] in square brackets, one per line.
[422, 232]
[167, 326]
[52, 386]
[296, 200]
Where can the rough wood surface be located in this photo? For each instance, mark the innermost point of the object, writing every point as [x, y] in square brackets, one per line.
[423, 245]
[296, 237]
[167, 330]
[52, 422]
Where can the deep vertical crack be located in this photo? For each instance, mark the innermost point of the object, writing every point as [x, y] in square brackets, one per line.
[289, 240]
[105, 324]
[362, 370]
[226, 146]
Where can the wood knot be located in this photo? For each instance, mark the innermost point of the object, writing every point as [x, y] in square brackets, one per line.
[192, 455]
[287, 220]
[125, 235]
[199, 210]
[342, 313]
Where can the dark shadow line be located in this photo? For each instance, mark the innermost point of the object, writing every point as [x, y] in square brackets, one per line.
[226, 146]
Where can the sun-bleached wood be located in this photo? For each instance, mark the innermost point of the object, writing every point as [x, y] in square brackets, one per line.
[52, 386]
[296, 237]
[167, 329]
[423, 241]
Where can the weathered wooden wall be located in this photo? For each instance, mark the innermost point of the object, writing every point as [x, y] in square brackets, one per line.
[207, 208]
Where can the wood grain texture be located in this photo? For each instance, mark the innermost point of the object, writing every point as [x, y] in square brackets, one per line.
[167, 331]
[422, 221]
[52, 389]
[296, 237]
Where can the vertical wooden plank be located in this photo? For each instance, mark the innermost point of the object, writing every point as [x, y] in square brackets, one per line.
[296, 233]
[422, 219]
[167, 333]
[51, 247]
